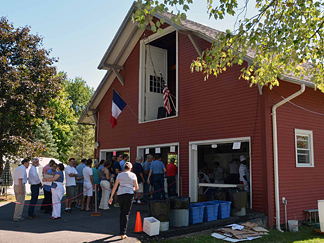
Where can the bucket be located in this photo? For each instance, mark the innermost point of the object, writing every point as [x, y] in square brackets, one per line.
[293, 225]
[164, 226]
[321, 213]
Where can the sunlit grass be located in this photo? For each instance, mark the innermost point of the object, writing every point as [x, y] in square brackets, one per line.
[12, 198]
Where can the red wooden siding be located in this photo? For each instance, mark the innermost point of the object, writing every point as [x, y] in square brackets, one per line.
[225, 107]
[301, 187]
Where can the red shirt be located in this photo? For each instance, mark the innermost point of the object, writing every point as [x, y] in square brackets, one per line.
[171, 169]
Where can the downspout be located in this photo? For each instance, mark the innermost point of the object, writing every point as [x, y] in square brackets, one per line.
[275, 151]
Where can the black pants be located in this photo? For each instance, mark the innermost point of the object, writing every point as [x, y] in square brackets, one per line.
[47, 200]
[125, 204]
[34, 197]
[171, 186]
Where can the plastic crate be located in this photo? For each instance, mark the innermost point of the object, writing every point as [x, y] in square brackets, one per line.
[224, 209]
[196, 213]
[211, 211]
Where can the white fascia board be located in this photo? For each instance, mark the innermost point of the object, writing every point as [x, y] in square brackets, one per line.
[117, 36]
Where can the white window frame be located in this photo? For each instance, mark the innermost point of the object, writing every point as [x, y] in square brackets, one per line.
[308, 133]
[141, 104]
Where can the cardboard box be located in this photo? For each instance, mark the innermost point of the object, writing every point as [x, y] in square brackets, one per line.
[151, 226]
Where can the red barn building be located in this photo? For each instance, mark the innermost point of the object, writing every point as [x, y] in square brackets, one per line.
[214, 120]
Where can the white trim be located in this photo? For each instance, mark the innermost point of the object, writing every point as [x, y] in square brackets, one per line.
[193, 164]
[155, 36]
[112, 150]
[141, 92]
[308, 133]
[162, 145]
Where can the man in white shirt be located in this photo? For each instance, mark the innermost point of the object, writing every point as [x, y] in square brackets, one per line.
[87, 185]
[35, 184]
[70, 184]
[20, 179]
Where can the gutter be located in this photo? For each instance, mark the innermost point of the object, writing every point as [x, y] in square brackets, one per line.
[275, 151]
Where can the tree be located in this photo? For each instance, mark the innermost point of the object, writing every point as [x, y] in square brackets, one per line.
[44, 135]
[285, 37]
[62, 123]
[82, 142]
[79, 93]
[27, 82]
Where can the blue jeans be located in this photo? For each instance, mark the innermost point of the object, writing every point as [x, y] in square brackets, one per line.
[158, 183]
[146, 189]
[34, 197]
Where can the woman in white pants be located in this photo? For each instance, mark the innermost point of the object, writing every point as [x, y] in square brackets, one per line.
[57, 190]
[105, 186]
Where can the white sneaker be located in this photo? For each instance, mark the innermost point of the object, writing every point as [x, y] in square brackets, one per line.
[134, 201]
[138, 201]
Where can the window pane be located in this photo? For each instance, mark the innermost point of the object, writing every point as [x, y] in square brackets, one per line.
[303, 156]
[302, 142]
[303, 159]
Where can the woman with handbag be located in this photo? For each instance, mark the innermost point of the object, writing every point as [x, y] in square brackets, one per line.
[57, 190]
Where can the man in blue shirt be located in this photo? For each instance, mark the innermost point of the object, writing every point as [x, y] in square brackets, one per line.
[146, 167]
[79, 183]
[157, 169]
[122, 163]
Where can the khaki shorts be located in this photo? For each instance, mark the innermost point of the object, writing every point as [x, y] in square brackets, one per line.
[140, 188]
[70, 192]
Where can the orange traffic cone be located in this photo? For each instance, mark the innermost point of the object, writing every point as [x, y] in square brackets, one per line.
[138, 224]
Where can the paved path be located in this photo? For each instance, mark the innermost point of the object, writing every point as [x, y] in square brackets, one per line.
[77, 227]
[80, 226]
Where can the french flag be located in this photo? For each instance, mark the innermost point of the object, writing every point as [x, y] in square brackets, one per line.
[118, 104]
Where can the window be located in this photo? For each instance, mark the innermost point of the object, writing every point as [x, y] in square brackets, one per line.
[304, 148]
[158, 67]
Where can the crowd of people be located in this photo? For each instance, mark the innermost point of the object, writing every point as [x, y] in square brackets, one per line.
[238, 173]
[117, 182]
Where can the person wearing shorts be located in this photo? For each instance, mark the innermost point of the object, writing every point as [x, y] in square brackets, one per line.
[139, 172]
[70, 184]
[87, 185]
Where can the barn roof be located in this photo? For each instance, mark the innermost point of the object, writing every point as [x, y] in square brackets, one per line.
[125, 40]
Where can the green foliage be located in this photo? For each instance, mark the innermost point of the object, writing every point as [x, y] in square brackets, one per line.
[82, 142]
[62, 123]
[284, 38]
[79, 93]
[44, 135]
[27, 82]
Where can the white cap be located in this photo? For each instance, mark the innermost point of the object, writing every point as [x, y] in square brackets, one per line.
[242, 158]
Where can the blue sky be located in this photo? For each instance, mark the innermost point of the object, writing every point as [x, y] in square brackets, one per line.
[79, 32]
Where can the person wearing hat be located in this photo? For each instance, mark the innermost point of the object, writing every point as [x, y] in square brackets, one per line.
[244, 173]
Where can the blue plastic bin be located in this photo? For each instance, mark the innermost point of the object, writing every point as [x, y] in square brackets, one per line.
[211, 211]
[224, 209]
[196, 213]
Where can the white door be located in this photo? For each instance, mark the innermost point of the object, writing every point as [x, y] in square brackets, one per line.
[156, 59]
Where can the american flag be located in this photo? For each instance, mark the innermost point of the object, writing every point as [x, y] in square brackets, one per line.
[166, 94]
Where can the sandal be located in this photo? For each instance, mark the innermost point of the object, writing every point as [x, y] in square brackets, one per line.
[123, 237]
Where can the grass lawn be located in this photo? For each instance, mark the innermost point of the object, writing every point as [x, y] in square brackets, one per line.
[12, 198]
[304, 235]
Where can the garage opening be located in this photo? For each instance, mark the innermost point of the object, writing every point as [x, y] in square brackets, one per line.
[216, 166]
[168, 152]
